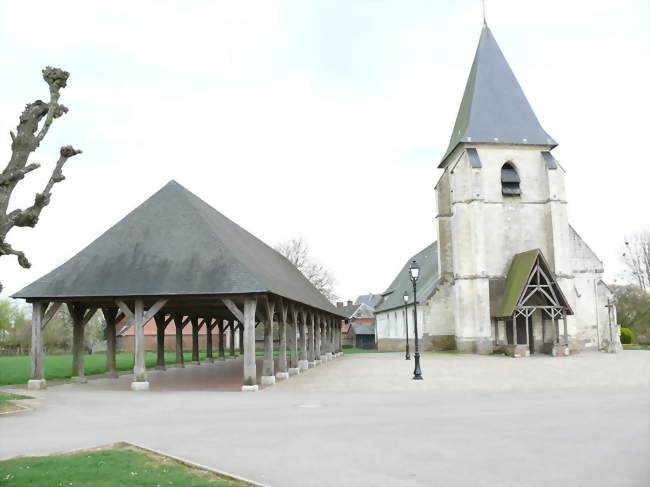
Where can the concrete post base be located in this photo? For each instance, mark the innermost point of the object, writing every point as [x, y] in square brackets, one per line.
[194, 362]
[560, 350]
[312, 364]
[112, 374]
[329, 356]
[282, 375]
[318, 361]
[254, 388]
[160, 367]
[210, 360]
[139, 386]
[36, 384]
[78, 379]
[268, 380]
[294, 370]
[303, 365]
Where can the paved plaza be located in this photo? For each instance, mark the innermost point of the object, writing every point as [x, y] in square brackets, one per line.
[360, 420]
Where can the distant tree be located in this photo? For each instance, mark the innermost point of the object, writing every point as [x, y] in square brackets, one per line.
[636, 255]
[296, 250]
[57, 335]
[633, 310]
[13, 322]
[33, 125]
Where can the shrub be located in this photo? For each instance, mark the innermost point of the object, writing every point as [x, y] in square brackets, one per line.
[627, 336]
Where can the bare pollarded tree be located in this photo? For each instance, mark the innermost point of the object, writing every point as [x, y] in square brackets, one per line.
[636, 255]
[33, 125]
[296, 251]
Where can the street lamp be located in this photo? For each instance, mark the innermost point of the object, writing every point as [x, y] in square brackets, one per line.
[414, 273]
[406, 321]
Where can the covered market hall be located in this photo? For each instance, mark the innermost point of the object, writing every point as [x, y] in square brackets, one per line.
[175, 259]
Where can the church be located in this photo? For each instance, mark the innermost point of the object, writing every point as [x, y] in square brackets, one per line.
[508, 272]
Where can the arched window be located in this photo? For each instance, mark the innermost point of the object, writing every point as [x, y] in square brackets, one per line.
[509, 180]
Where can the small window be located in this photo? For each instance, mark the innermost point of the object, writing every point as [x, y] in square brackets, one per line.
[509, 181]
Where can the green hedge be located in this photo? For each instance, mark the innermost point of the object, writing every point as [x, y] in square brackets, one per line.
[627, 336]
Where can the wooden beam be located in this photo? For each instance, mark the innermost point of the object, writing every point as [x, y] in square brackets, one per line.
[89, 314]
[124, 308]
[157, 306]
[232, 307]
[51, 311]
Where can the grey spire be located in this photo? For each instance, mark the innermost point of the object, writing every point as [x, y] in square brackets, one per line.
[494, 108]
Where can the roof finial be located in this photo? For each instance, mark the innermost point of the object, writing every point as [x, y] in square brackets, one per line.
[484, 22]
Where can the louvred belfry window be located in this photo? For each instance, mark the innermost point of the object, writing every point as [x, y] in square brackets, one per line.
[509, 181]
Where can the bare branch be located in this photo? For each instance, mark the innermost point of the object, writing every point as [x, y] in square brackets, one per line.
[6, 249]
[29, 217]
[296, 251]
[56, 79]
[17, 174]
[24, 142]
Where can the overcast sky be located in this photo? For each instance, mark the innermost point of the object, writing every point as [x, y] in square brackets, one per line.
[323, 120]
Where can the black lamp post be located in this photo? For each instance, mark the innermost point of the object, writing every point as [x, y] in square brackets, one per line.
[406, 321]
[414, 273]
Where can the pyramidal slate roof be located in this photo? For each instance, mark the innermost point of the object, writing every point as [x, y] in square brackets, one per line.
[176, 244]
[494, 108]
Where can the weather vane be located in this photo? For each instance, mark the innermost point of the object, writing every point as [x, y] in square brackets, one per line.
[483, 3]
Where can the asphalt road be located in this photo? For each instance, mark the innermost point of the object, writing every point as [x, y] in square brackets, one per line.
[361, 421]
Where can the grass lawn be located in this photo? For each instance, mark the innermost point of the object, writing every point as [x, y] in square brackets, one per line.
[7, 400]
[104, 468]
[16, 370]
[636, 347]
[365, 350]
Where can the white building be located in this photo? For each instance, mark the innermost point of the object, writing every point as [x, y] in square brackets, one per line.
[508, 271]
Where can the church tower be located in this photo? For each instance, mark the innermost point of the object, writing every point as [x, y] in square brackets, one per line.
[501, 194]
[508, 272]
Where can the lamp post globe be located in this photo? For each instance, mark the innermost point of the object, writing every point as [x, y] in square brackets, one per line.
[406, 323]
[414, 274]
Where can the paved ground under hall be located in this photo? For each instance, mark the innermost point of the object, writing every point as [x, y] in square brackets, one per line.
[360, 421]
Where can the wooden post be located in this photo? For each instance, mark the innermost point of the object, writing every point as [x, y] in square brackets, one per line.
[139, 369]
[80, 317]
[222, 350]
[179, 325]
[232, 340]
[317, 337]
[138, 318]
[566, 334]
[282, 373]
[196, 325]
[37, 380]
[339, 335]
[209, 326]
[161, 324]
[527, 333]
[250, 369]
[311, 340]
[304, 351]
[268, 368]
[240, 327]
[76, 313]
[293, 342]
[514, 330]
[112, 316]
[554, 328]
